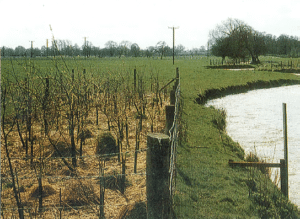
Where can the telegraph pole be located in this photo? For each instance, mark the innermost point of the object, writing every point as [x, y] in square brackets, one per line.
[173, 40]
[85, 47]
[31, 48]
[47, 45]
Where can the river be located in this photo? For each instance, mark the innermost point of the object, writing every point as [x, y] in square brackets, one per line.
[255, 120]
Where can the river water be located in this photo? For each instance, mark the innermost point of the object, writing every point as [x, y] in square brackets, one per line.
[255, 120]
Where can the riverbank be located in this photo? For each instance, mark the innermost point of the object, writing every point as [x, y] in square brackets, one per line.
[207, 187]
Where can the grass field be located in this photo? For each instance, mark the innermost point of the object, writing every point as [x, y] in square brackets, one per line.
[206, 187]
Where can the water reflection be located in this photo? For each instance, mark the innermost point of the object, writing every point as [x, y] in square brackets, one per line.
[255, 120]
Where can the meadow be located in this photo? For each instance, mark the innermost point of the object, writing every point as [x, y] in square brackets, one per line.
[52, 105]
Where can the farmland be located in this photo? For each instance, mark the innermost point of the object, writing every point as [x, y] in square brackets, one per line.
[64, 105]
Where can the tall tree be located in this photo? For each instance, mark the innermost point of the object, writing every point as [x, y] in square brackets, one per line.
[111, 47]
[135, 50]
[161, 48]
[237, 40]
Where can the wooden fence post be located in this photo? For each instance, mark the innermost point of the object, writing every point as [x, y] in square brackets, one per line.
[102, 189]
[284, 184]
[134, 79]
[170, 109]
[173, 91]
[285, 144]
[172, 97]
[157, 178]
[0, 67]
[177, 78]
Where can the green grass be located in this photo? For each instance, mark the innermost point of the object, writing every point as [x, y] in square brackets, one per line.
[206, 187]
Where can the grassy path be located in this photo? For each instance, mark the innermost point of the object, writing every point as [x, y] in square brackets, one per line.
[206, 186]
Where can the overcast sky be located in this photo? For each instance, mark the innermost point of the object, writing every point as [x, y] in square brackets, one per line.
[138, 21]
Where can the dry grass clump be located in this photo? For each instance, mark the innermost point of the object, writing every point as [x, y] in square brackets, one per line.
[85, 134]
[106, 144]
[63, 149]
[133, 211]
[79, 194]
[47, 190]
[114, 181]
[254, 158]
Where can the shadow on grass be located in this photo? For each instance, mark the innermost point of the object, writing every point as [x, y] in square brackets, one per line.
[291, 70]
[185, 178]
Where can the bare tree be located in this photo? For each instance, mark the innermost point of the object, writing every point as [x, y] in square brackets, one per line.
[111, 46]
[160, 48]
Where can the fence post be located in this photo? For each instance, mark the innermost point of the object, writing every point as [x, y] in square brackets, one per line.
[134, 79]
[285, 144]
[173, 91]
[284, 184]
[157, 178]
[0, 150]
[170, 109]
[0, 67]
[177, 78]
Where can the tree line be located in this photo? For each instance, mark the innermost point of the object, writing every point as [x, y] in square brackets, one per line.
[237, 40]
[111, 49]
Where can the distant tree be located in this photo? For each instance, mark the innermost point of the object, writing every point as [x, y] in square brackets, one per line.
[283, 45]
[111, 46]
[123, 48]
[6, 51]
[161, 48]
[202, 49]
[179, 49]
[135, 50]
[20, 51]
[76, 50]
[86, 48]
[149, 51]
[237, 40]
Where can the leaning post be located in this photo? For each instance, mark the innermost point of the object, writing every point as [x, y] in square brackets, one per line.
[157, 177]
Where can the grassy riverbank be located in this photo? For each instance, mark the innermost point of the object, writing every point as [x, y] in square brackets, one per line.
[206, 186]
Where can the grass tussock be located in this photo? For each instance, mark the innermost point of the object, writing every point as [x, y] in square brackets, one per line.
[106, 144]
[79, 194]
[47, 190]
[133, 211]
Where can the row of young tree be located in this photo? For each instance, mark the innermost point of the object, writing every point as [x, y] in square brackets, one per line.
[237, 40]
[111, 49]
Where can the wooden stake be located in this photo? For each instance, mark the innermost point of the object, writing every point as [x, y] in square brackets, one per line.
[284, 178]
[60, 207]
[157, 178]
[285, 141]
[134, 79]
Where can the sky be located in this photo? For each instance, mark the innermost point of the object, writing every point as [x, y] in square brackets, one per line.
[138, 21]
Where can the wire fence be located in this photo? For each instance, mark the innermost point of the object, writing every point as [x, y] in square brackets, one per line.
[174, 140]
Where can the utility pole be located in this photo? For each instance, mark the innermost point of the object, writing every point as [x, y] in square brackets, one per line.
[47, 45]
[31, 48]
[85, 46]
[173, 40]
